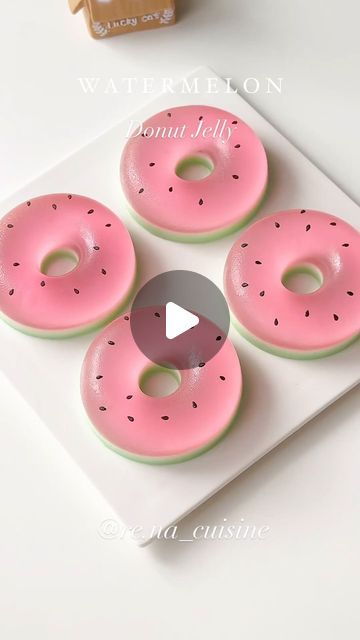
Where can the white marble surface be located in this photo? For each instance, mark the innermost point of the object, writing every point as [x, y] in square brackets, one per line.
[59, 576]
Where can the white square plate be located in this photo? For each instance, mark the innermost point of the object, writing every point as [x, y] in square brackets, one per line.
[280, 395]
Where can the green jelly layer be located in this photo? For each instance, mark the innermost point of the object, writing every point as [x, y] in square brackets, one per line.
[77, 331]
[176, 236]
[288, 353]
[163, 460]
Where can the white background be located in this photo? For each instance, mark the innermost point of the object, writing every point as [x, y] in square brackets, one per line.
[59, 577]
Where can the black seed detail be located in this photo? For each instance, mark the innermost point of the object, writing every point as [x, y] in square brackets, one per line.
[171, 189]
[336, 317]
[102, 408]
[103, 271]
[332, 224]
[350, 293]
[201, 364]
[54, 206]
[262, 293]
[308, 227]
[69, 196]
[169, 115]
[141, 190]
[222, 378]
[244, 244]
[77, 291]
[235, 176]
[143, 135]
[234, 122]
[244, 284]
[157, 314]
[307, 313]
[201, 117]
[303, 211]
[28, 203]
[258, 262]
[194, 405]
[276, 322]
[10, 226]
[90, 212]
[218, 338]
[111, 343]
[164, 417]
[201, 201]
[277, 225]
[108, 224]
[151, 164]
[96, 248]
[130, 418]
[346, 244]
[128, 397]
[42, 283]
[16, 264]
[99, 377]
[11, 292]
[237, 146]
[126, 317]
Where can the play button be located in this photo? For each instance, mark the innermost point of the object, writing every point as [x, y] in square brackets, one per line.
[179, 319]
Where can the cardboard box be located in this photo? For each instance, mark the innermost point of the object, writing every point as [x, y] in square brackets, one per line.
[113, 17]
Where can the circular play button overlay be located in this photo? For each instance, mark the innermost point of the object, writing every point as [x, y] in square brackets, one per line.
[180, 319]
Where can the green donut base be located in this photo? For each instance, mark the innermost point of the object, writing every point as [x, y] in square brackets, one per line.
[164, 460]
[71, 333]
[175, 236]
[288, 353]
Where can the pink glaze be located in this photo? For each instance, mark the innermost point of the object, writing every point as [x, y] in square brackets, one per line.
[223, 199]
[93, 290]
[150, 428]
[321, 320]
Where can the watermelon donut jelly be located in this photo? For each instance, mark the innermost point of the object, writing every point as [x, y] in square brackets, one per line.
[150, 429]
[34, 234]
[282, 321]
[192, 210]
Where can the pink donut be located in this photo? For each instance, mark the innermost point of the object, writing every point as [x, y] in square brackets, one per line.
[56, 306]
[193, 210]
[157, 429]
[279, 320]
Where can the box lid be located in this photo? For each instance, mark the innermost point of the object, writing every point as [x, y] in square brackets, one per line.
[107, 10]
[75, 5]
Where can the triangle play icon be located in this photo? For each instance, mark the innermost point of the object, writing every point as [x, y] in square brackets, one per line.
[178, 320]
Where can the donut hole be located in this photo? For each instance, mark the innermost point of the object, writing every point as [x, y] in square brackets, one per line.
[159, 381]
[303, 279]
[59, 262]
[194, 167]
